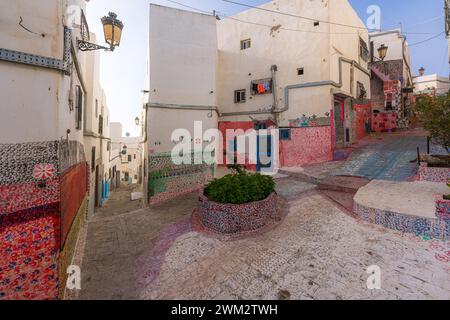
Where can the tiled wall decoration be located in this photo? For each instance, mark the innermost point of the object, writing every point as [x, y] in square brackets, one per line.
[384, 121]
[31, 207]
[29, 242]
[307, 146]
[433, 174]
[231, 218]
[168, 180]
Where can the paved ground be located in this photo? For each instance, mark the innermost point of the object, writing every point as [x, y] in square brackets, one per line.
[318, 252]
[384, 157]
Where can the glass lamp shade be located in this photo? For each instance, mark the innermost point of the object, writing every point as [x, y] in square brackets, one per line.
[112, 28]
[382, 51]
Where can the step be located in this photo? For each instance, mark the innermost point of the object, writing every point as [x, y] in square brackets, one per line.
[349, 184]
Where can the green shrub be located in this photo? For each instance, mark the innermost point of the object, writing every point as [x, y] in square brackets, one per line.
[240, 188]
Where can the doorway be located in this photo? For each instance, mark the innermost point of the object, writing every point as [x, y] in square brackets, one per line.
[339, 127]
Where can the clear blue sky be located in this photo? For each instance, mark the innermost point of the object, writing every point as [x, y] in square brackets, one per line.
[123, 71]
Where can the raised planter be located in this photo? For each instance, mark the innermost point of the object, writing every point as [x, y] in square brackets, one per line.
[442, 208]
[433, 174]
[236, 218]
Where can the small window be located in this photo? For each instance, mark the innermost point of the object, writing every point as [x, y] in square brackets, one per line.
[96, 108]
[100, 125]
[363, 50]
[285, 134]
[129, 158]
[300, 71]
[79, 109]
[239, 96]
[93, 159]
[263, 86]
[134, 157]
[316, 23]
[246, 44]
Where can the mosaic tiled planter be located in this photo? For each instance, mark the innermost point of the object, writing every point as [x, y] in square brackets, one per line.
[438, 228]
[433, 174]
[442, 208]
[236, 218]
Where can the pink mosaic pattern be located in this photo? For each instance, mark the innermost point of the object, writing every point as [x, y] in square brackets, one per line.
[442, 208]
[307, 146]
[44, 171]
[431, 174]
[231, 218]
[28, 254]
[28, 195]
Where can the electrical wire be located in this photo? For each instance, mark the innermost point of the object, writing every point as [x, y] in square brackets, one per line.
[426, 40]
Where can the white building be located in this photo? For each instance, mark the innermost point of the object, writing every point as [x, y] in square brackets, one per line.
[128, 155]
[257, 69]
[431, 84]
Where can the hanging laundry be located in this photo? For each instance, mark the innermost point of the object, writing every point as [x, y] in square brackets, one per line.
[267, 86]
[261, 88]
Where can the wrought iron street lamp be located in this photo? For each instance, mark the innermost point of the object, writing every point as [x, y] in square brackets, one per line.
[112, 29]
[382, 52]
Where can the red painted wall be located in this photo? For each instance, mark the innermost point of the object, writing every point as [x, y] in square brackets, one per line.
[363, 115]
[73, 190]
[384, 121]
[29, 242]
[307, 146]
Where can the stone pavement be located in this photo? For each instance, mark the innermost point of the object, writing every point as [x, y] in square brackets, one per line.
[318, 252]
[115, 240]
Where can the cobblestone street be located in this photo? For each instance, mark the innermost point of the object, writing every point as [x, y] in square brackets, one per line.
[317, 252]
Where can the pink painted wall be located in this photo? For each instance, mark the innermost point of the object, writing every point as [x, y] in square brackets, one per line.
[307, 146]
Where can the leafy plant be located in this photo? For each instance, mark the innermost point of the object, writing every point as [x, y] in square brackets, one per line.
[240, 188]
[434, 113]
[447, 197]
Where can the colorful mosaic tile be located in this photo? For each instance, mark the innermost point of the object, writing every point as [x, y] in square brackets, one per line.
[229, 218]
[432, 174]
[28, 253]
[432, 228]
[442, 208]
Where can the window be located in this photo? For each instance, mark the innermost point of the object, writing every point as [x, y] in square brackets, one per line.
[100, 125]
[361, 90]
[285, 134]
[363, 50]
[135, 157]
[79, 109]
[246, 44]
[263, 86]
[129, 158]
[239, 96]
[93, 159]
[96, 108]
[300, 71]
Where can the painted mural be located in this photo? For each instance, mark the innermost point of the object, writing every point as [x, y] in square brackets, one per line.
[37, 210]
